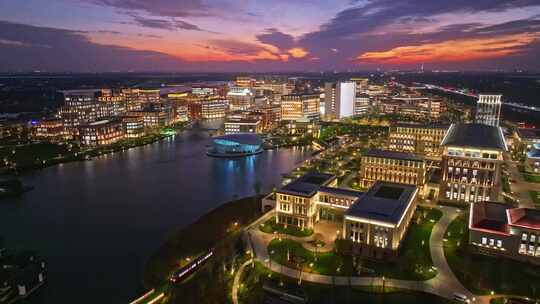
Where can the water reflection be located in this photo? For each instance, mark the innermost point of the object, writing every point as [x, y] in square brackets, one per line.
[96, 222]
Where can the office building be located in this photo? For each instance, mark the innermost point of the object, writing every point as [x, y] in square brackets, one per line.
[213, 108]
[245, 82]
[80, 107]
[500, 230]
[361, 105]
[339, 99]
[391, 166]
[50, 130]
[242, 125]
[133, 126]
[471, 163]
[488, 109]
[376, 224]
[101, 133]
[417, 138]
[300, 106]
[240, 98]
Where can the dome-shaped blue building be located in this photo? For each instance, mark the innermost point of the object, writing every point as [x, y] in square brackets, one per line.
[235, 145]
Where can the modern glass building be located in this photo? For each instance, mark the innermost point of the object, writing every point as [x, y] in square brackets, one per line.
[232, 145]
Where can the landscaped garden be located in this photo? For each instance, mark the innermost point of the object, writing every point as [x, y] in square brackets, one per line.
[251, 290]
[270, 226]
[414, 261]
[292, 254]
[535, 196]
[483, 274]
[532, 178]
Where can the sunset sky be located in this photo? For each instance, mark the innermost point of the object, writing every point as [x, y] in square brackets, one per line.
[271, 35]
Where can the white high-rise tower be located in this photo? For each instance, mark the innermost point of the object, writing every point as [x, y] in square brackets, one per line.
[488, 109]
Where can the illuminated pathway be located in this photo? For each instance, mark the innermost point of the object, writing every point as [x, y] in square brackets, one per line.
[445, 284]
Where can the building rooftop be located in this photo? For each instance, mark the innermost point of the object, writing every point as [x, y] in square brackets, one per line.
[341, 191]
[524, 217]
[530, 134]
[422, 126]
[489, 217]
[308, 184]
[384, 202]
[393, 155]
[240, 138]
[474, 135]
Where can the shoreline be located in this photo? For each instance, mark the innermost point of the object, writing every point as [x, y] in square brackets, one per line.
[90, 154]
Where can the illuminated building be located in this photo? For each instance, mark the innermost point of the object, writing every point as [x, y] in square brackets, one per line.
[500, 230]
[101, 133]
[339, 99]
[413, 106]
[376, 224]
[242, 125]
[392, 166]
[488, 109]
[471, 165]
[532, 159]
[50, 130]
[214, 108]
[361, 84]
[300, 106]
[240, 98]
[133, 126]
[416, 138]
[181, 113]
[303, 127]
[244, 82]
[270, 115]
[361, 105]
[235, 145]
[80, 107]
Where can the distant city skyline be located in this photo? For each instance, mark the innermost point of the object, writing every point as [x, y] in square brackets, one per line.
[267, 36]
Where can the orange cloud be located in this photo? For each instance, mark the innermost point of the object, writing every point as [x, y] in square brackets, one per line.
[452, 50]
[297, 52]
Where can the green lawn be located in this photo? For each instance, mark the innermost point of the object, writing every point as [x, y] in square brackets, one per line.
[34, 154]
[256, 277]
[326, 263]
[414, 261]
[211, 229]
[535, 196]
[482, 274]
[271, 226]
[532, 178]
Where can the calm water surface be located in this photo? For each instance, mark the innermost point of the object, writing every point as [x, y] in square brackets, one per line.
[96, 222]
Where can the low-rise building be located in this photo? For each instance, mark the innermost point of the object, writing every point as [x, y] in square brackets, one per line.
[242, 125]
[498, 229]
[471, 164]
[392, 166]
[133, 126]
[50, 130]
[214, 108]
[101, 133]
[417, 138]
[532, 160]
[377, 223]
[374, 222]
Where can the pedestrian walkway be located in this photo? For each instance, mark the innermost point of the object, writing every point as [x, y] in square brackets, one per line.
[445, 284]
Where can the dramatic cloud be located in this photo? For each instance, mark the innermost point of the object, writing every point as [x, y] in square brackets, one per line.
[42, 48]
[276, 38]
[166, 8]
[163, 24]
[342, 35]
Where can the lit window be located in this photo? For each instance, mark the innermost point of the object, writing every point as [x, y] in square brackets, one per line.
[499, 243]
[484, 241]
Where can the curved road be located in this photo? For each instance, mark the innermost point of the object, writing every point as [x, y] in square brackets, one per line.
[445, 284]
